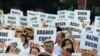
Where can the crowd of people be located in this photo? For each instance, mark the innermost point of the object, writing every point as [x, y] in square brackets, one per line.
[63, 46]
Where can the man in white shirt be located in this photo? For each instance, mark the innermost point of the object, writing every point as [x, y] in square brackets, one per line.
[57, 46]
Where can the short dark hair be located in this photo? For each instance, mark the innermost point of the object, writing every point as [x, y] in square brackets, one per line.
[63, 34]
[34, 48]
[58, 29]
[44, 54]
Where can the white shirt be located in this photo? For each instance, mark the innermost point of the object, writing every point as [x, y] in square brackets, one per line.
[57, 49]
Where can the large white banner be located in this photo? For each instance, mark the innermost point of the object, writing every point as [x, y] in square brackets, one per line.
[41, 34]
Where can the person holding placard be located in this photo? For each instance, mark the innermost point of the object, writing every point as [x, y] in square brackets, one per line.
[57, 47]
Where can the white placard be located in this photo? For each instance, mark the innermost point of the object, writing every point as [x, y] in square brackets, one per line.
[97, 21]
[7, 33]
[43, 16]
[65, 14]
[70, 15]
[82, 15]
[90, 28]
[41, 34]
[64, 25]
[50, 20]
[89, 41]
[1, 16]
[24, 21]
[34, 21]
[96, 31]
[16, 12]
[11, 19]
[62, 14]
[31, 13]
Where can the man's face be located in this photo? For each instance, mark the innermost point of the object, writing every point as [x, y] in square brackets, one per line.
[49, 47]
[59, 37]
[86, 53]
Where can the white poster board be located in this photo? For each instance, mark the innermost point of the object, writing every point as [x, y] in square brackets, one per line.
[6, 35]
[70, 15]
[96, 31]
[50, 20]
[64, 25]
[31, 13]
[16, 12]
[97, 21]
[24, 21]
[82, 15]
[34, 21]
[11, 19]
[41, 34]
[62, 14]
[89, 28]
[1, 16]
[89, 41]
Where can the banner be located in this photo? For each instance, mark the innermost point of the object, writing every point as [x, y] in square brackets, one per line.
[41, 34]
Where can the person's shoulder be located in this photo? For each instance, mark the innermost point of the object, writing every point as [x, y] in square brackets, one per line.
[54, 54]
[56, 44]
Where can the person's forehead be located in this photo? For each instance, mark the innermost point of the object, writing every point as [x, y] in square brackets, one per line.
[49, 43]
